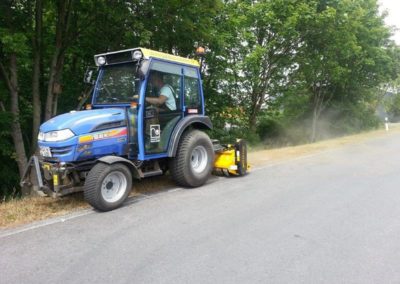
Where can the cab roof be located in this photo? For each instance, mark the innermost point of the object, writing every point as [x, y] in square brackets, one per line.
[127, 55]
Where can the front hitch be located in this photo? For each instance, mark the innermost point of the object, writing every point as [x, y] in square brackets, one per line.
[49, 179]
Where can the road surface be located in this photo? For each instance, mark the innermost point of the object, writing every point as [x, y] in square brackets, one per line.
[332, 217]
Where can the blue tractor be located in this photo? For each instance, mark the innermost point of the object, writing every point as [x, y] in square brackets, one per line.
[146, 117]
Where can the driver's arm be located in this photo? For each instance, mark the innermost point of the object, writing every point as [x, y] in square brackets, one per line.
[157, 101]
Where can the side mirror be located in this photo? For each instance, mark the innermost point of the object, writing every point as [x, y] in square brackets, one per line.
[88, 76]
[143, 69]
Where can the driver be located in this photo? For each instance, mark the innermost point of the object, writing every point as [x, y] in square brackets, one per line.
[165, 98]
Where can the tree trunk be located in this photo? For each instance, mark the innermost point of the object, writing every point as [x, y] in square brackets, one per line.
[57, 87]
[16, 132]
[55, 103]
[321, 100]
[257, 101]
[314, 124]
[253, 119]
[37, 50]
[258, 96]
[50, 87]
[64, 9]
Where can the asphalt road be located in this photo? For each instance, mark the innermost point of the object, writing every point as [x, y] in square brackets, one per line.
[333, 217]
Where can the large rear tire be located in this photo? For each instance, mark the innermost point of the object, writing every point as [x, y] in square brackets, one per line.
[107, 186]
[193, 163]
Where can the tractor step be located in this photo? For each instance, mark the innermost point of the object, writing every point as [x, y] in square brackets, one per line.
[155, 170]
[153, 173]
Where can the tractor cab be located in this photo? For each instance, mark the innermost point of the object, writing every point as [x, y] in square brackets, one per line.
[126, 81]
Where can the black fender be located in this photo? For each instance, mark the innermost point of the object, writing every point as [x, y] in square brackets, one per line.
[196, 121]
[136, 173]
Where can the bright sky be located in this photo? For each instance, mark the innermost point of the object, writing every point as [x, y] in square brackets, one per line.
[393, 18]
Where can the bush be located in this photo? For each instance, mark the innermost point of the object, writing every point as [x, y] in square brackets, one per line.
[356, 118]
[392, 106]
[269, 128]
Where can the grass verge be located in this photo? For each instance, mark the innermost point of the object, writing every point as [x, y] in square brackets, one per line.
[22, 211]
[259, 156]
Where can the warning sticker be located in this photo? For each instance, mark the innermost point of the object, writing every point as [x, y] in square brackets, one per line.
[155, 133]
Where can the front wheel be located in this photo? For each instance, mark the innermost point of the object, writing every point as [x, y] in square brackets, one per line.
[194, 159]
[107, 186]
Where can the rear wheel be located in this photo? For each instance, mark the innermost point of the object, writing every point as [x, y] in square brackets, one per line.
[194, 159]
[107, 186]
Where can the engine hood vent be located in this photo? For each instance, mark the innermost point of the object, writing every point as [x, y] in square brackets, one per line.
[86, 121]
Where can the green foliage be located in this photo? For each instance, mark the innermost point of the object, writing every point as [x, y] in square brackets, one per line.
[13, 43]
[391, 99]
[271, 131]
[8, 169]
[394, 106]
[353, 119]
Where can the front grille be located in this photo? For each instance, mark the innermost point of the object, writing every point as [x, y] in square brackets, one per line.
[56, 151]
[109, 125]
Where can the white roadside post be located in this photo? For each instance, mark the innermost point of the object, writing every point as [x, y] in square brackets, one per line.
[386, 124]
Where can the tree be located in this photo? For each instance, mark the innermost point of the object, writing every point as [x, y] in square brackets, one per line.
[13, 44]
[344, 54]
[36, 70]
[261, 57]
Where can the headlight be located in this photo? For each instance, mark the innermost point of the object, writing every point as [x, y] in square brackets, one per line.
[137, 55]
[54, 136]
[41, 136]
[101, 60]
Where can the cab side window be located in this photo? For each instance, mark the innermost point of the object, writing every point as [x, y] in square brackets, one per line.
[173, 81]
[192, 91]
[171, 78]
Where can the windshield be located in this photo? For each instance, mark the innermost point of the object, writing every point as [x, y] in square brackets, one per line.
[117, 84]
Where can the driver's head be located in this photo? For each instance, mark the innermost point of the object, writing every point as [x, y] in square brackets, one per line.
[156, 79]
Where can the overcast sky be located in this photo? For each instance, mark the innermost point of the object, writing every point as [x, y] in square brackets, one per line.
[393, 18]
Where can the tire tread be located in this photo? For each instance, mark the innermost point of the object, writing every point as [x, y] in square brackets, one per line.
[179, 164]
[93, 183]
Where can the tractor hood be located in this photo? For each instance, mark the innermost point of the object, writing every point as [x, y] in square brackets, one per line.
[81, 122]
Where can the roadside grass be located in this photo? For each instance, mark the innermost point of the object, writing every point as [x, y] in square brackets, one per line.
[26, 210]
[22, 211]
[258, 156]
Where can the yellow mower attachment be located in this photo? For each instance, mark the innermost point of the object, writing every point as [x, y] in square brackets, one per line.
[232, 159]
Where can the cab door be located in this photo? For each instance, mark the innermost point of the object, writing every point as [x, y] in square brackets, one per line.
[193, 98]
[160, 120]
